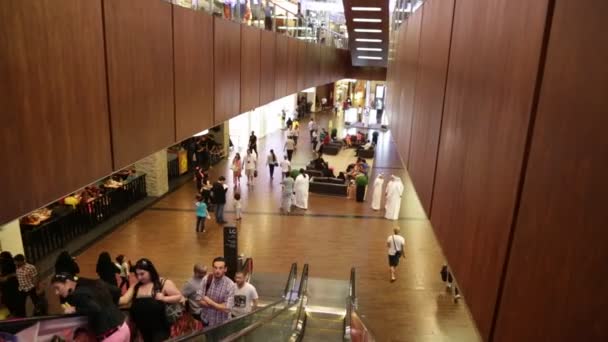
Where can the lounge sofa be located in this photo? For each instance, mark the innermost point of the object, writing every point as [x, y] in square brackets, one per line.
[366, 154]
[332, 149]
[328, 186]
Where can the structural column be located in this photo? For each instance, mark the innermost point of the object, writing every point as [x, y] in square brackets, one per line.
[157, 178]
[10, 237]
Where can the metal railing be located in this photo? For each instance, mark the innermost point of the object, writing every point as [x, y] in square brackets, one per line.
[355, 328]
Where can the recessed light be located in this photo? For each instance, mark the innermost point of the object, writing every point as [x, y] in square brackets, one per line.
[368, 40]
[367, 20]
[366, 9]
[368, 30]
[368, 49]
[369, 57]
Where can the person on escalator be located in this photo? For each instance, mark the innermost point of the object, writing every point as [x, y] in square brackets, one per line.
[92, 298]
[245, 296]
[218, 295]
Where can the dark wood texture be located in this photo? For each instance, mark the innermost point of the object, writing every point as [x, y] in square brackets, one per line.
[139, 52]
[494, 58]
[55, 134]
[193, 46]
[352, 35]
[292, 63]
[430, 90]
[268, 67]
[281, 67]
[555, 286]
[301, 66]
[368, 73]
[408, 74]
[314, 64]
[227, 69]
[250, 68]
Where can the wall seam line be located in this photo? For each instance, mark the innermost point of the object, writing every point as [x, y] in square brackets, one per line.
[107, 77]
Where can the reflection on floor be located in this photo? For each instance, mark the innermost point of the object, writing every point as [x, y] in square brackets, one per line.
[332, 236]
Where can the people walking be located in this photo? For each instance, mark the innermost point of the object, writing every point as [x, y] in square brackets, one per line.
[301, 190]
[287, 194]
[272, 162]
[253, 143]
[123, 265]
[219, 198]
[236, 167]
[377, 195]
[237, 206]
[290, 145]
[251, 167]
[201, 214]
[285, 167]
[394, 191]
[395, 244]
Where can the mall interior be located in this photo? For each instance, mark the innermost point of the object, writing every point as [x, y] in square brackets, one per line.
[475, 127]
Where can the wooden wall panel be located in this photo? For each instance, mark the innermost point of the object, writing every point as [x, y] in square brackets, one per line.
[227, 69]
[301, 66]
[193, 53]
[250, 68]
[367, 73]
[140, 77]
[268, 67]
[281, 69]
[555, 285]
[494, 57]
[292, 64]
[55, 134]
[407, 75]
[430, 90]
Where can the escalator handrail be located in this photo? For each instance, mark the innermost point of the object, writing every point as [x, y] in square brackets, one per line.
[290, 280]
[298, 334]
[351, 310]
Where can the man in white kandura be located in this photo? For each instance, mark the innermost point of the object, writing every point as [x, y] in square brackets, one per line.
[377, 197]
[301, 190]
[394, 190]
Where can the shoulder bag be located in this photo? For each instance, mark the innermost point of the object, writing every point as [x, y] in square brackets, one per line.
[174, 311]
[398, 252]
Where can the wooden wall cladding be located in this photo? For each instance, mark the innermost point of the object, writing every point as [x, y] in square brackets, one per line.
[408, 74]
[55, 132]
[430, 89]
[227, 69]
[140, 77]
[301, 66]
[281, 69]
[193, 51]
[250, 68]
[292, 64]
[268, 67]
[555, 285]
[494, 58]
[368, 73]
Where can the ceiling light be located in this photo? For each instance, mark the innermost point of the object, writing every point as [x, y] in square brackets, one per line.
[367, 20]
[366, 9]
[368, 49]
[369, 57]
[368, 30]
[368, 40]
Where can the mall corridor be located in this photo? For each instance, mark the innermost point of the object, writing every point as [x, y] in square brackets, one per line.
[332, 236]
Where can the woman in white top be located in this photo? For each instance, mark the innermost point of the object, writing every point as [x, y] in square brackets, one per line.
[250, 167]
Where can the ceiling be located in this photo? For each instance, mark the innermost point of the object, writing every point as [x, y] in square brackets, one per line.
[376, 19]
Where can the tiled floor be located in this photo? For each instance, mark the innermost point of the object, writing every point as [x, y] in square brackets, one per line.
[332, 236]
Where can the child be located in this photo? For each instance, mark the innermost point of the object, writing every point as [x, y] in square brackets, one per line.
[237, 205]
[201, 214]
[122, 264]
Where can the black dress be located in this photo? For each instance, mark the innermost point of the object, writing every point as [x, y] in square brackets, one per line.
[148, 314]
[10, 287]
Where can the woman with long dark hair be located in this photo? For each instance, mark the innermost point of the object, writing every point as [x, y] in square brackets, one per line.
[9, 285]
[94, 299]
[149, 298]
[65, 263]
[106, 269]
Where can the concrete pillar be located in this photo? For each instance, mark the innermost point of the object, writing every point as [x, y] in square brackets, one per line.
[155, 167]
[10, 238]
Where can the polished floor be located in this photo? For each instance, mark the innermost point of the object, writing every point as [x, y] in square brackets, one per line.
[332, 236]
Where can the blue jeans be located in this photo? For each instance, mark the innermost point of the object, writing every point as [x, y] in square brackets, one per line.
[219, 212]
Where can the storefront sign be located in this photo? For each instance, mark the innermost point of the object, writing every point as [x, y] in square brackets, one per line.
[182, 156]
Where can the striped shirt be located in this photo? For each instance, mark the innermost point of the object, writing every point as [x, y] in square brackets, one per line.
[27, 277]
[220, 291]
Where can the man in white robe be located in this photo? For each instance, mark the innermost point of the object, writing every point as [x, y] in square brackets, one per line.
[377, 196]
[394, 190]
[301, 190]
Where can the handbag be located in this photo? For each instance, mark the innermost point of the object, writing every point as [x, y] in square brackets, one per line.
[173, 312]
[398, 253]
[255, 173]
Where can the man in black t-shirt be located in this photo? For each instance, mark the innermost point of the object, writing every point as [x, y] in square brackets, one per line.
[219, 199]
[253, 142]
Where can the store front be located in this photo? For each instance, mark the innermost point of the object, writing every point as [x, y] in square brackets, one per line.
[361, 102]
